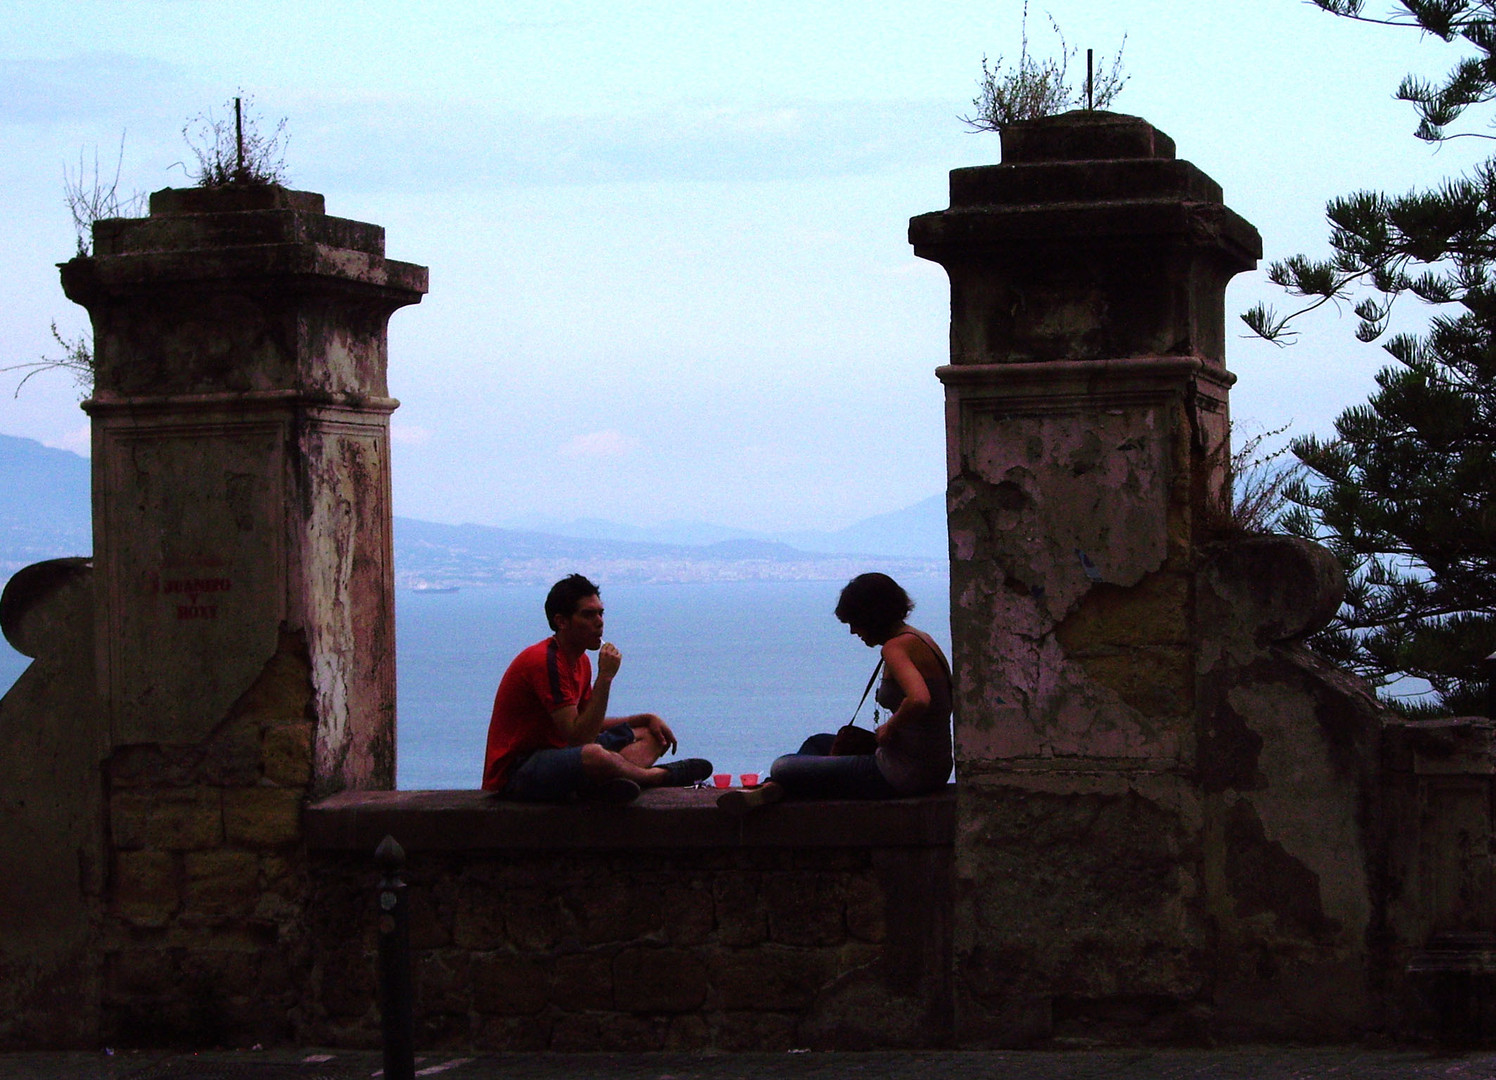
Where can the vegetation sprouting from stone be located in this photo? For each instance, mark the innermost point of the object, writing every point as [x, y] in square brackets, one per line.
[1033, 88]
[77, 358]
[1404, 492]
[1252, 501]
[232, 150]
[93, 195]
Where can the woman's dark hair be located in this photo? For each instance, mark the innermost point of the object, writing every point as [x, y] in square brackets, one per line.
[874, 602]
[565, 595]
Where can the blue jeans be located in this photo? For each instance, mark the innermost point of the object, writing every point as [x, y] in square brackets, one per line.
[813, 773]
[555, 775]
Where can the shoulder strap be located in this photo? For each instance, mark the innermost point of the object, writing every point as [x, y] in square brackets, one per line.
[866, 690]
[874, 677]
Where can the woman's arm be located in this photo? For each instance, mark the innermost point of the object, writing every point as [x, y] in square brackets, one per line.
[902, 668]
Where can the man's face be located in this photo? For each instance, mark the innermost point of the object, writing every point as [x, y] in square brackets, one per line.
[583, 628]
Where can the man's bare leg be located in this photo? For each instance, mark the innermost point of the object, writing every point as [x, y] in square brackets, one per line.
[645, 750]
[600, 763]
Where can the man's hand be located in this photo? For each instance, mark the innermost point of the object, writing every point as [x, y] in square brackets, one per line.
[608, 659]
[661, 730]
[656, 727]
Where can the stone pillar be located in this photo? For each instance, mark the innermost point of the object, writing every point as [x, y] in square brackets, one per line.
[241, 467]
[242, 589]
[1086, 431]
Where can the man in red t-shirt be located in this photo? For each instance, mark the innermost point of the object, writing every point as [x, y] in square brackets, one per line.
[550, 736]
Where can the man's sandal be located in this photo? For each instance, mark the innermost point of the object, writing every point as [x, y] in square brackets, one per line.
[740, 801]
[685, 772]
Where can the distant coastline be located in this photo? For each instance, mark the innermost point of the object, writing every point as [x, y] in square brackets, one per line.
[663, 569]
[46, 514]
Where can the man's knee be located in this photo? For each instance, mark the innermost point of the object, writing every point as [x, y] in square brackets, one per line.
[645, 750]
[598, 760]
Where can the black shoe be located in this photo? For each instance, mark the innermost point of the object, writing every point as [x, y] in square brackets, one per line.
[615, 790]
[685, 772]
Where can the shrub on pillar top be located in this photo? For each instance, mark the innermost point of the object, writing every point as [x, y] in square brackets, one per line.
[229, 153]
[236, 152]
[1038, 88]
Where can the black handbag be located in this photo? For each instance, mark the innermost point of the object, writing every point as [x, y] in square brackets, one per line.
[851, 739]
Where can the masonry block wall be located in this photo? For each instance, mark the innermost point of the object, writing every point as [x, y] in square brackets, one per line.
[1167, 813]
[52, 827]
[663, 925]
[1171, 823]
[239, 604]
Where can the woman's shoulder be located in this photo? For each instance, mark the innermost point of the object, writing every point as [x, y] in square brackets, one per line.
[904, 643]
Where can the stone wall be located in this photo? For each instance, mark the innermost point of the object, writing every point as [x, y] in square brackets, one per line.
[1171, 823]
[1439, 935]
[52, 820]
[663, 925]
[204, 935]
[229, 650]
[1172, 819]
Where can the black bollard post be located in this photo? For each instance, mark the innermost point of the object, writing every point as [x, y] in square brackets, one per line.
[396, 996]
[1491, 687]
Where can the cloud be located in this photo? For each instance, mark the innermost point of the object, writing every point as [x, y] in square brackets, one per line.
[434, 145]
[78, 441]
[409, 434]
[87, 86]
[600, 444]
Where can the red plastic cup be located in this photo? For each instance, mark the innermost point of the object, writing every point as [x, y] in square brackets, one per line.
[748, 779]
[722, 779]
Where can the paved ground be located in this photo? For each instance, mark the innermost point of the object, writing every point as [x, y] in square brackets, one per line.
[1274, 1063]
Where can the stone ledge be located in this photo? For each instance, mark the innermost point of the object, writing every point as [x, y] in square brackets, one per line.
[669, 818]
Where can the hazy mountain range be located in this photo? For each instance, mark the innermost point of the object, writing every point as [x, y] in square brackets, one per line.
[44, 513]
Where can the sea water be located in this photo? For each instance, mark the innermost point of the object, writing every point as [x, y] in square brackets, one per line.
[741, 670]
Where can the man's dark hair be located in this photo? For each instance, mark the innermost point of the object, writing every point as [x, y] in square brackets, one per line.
[875, 603]
[565, 595]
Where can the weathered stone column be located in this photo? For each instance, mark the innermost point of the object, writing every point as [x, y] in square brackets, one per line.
[1086, 428]
[242, 587]
[241, 466]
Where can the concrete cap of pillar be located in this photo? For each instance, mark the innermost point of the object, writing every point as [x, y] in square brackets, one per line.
[1076, 179]
[1090, 240]
[234, 197]
[1084, 135]
[202, 219]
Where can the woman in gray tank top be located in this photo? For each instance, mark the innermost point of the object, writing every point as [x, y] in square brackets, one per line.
[913, 754]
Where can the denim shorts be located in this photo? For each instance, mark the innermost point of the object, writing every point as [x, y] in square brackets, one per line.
[555, 775]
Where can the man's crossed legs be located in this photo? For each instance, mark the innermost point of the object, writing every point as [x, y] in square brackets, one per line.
[612, 769]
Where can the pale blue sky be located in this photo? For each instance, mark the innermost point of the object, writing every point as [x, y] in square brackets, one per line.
[669, 272]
